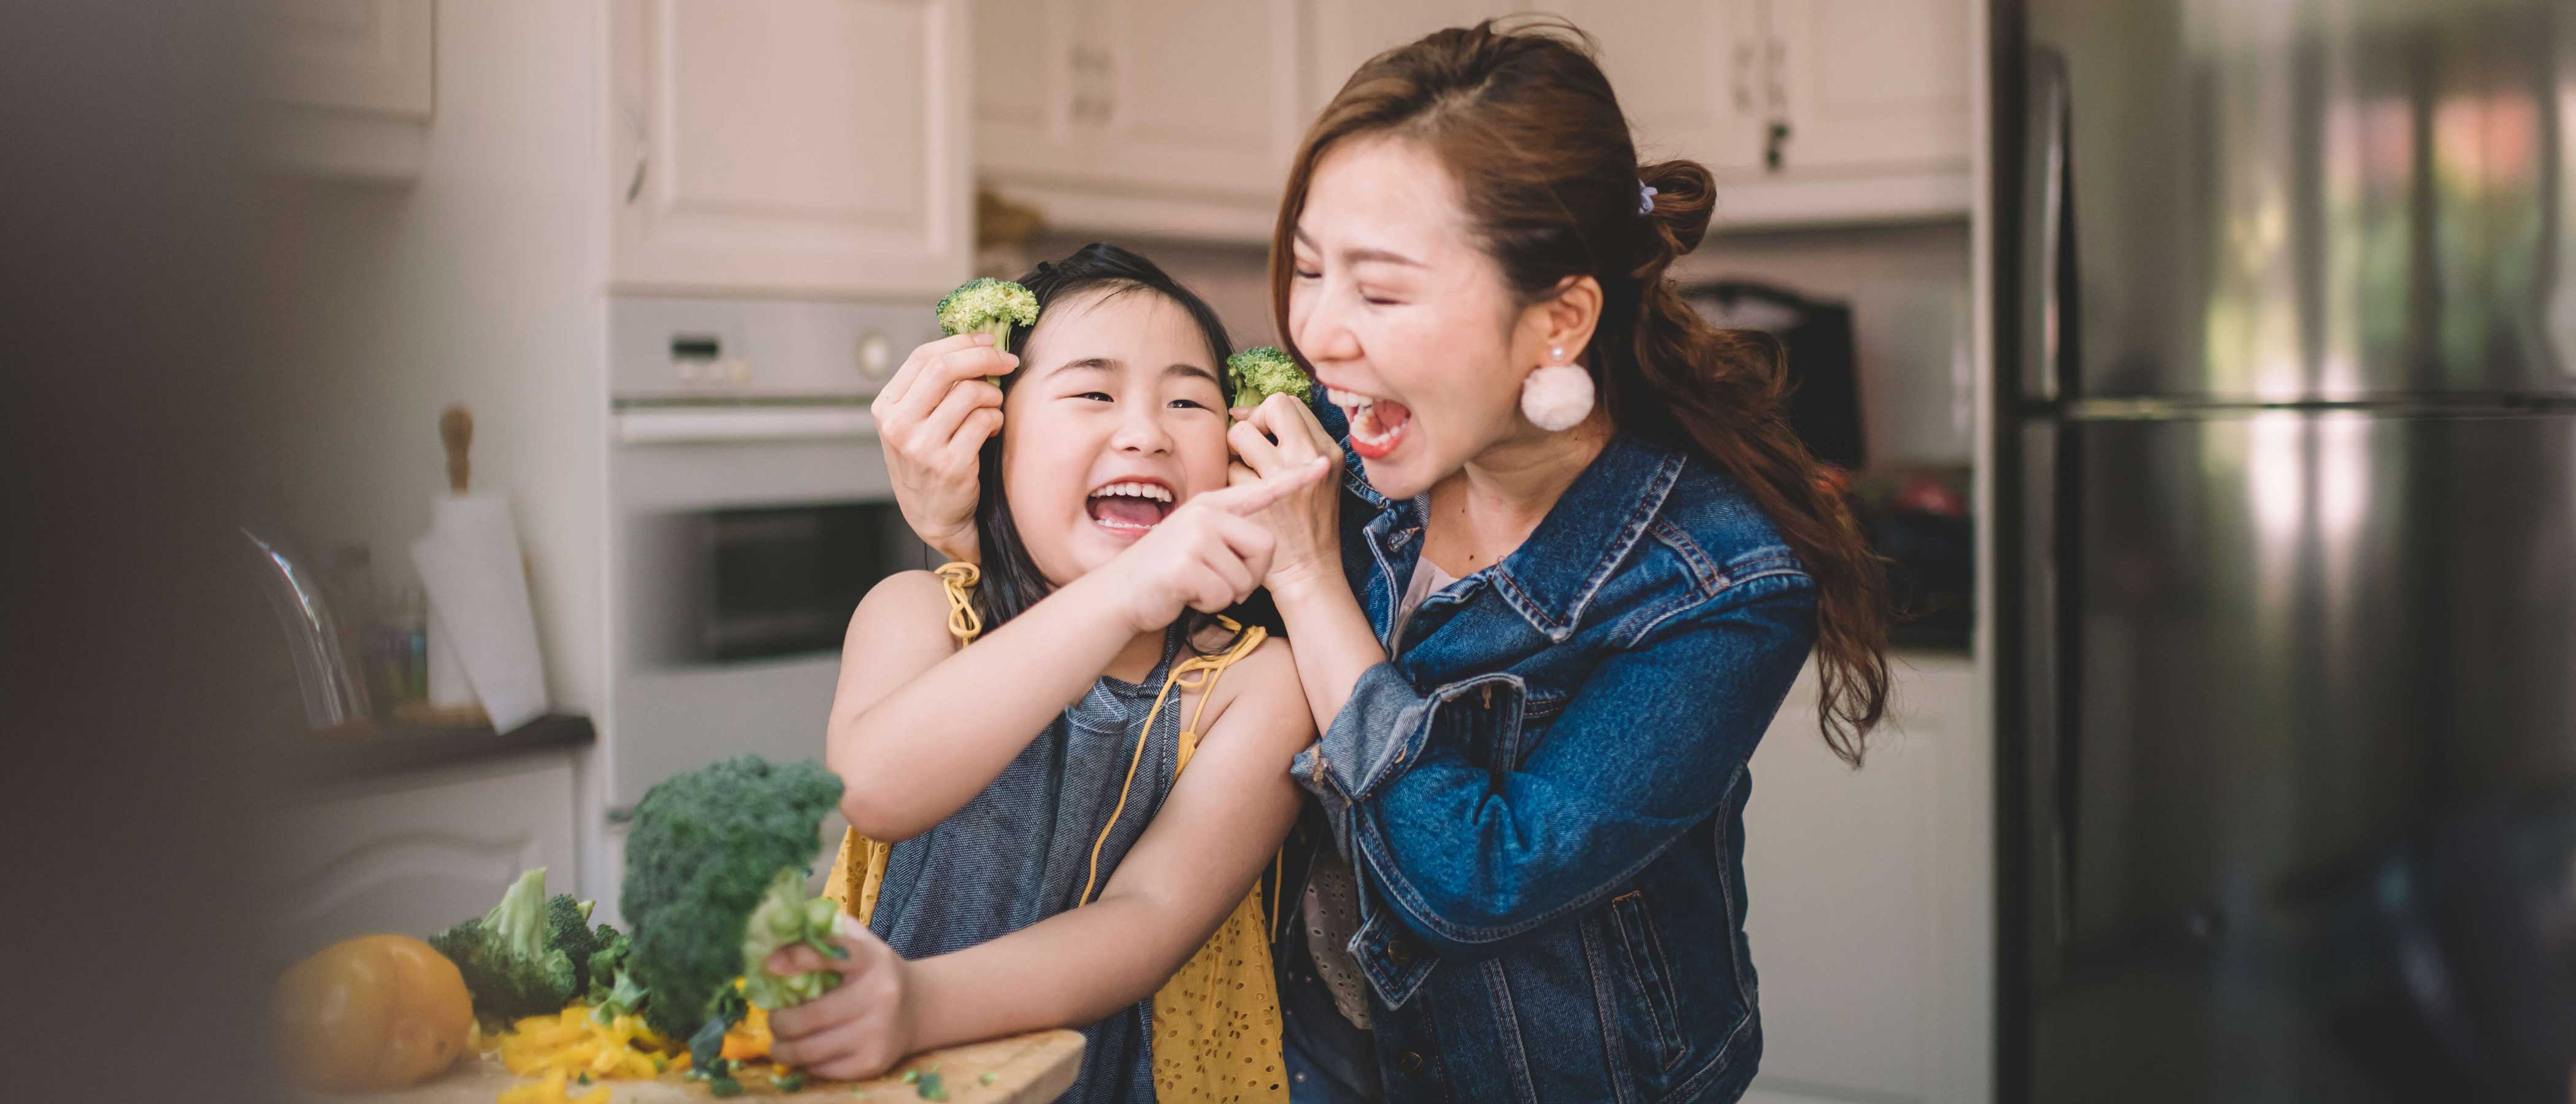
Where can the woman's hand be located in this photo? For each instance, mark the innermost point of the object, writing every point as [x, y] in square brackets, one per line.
[932, 419]
[1207, 555]
[860, 1028]
[1282, 435]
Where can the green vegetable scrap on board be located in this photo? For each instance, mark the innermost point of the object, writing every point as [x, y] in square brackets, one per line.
[1265, 370]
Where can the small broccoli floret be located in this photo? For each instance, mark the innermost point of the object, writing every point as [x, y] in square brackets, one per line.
[705, 849]
[987, 305]
[510, 962]
[1265, 370]
[784, 918]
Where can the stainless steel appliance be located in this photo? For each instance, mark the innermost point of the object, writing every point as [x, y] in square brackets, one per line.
[2286, 443]
[750, 510]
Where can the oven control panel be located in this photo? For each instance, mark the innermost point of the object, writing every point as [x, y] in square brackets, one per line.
[723, 351]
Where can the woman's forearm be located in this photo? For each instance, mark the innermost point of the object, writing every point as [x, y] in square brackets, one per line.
[1335, 642]
[930, 745]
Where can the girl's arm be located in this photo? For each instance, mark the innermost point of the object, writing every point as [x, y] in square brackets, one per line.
[918, 729]
[920, 726]
[1222, 823]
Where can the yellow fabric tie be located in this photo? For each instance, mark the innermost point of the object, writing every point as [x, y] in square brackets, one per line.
[1220, 1042]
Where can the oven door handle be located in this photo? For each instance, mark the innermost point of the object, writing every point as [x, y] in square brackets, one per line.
[675, 427]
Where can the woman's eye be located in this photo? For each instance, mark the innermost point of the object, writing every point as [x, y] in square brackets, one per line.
[1304, 273]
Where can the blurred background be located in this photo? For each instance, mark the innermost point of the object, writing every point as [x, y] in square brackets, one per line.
[470, 431]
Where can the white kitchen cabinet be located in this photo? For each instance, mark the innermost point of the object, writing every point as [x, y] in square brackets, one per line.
[350, 84]
[1165, 117]
[415, 853]
[800, 147]
[1807, 111]
[1869, 898]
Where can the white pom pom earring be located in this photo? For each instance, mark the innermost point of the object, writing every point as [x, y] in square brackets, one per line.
[1558, 396]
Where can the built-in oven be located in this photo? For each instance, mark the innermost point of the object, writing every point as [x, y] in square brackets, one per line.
[750, 511]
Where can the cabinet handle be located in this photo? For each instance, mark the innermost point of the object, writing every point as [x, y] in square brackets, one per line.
[1771, 74]
[1776, 138]
[643, 154]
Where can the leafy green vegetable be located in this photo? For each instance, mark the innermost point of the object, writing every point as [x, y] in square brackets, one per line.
[706, 849]
[789, 1081]
[932, 1087]
[706, 1047]
[525, 957]
[1265, 370]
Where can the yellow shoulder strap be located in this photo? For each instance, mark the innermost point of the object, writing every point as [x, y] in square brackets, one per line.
[1194, 673]
[858, 872]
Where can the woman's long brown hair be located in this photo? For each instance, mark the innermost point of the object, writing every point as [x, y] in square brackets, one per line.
[1527, 126]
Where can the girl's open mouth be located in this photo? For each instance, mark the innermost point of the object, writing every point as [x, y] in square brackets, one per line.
[1130, 508]
[1377, 425]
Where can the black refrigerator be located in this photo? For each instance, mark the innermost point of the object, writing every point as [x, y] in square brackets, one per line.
[2285, 432]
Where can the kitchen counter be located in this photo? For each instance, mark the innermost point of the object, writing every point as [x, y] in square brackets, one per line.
[375, 749]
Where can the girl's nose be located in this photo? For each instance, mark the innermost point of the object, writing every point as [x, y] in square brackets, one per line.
[1141, 430]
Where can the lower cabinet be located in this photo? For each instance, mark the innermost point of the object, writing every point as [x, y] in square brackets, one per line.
[1869, 898]
[412, 854]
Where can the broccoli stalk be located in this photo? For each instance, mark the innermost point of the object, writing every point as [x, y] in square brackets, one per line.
[1260, 372]
[708, 848]
[987, 305]
[519, 959]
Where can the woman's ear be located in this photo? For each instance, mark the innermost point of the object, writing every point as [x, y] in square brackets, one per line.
[1566, 318]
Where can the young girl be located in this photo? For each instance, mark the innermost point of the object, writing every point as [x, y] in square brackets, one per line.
[1052, 864]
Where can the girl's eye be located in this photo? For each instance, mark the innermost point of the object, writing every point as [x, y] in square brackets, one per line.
[1100, 395]
[1193, 404]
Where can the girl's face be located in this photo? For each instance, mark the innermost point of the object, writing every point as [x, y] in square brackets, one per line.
[1408, 322]
[1118, 417]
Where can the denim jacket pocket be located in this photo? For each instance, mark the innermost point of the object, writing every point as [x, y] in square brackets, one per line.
[1484, 717]
[1642, 947]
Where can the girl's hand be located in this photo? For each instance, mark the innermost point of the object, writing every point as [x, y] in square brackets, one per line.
[1282, 435]
[1207, 555]
[932, 419]
[860, 1028]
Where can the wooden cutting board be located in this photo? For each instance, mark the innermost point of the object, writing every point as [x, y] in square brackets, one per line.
[1026, 1069]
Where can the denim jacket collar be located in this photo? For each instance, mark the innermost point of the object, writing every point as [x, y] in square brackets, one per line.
[1551, 577]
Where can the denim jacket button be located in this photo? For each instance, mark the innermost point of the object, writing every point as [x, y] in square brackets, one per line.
[1409, 1062]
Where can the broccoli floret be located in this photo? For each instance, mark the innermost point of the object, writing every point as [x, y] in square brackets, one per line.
[568, 930]
[987, 305]
[784, 918]
[611, 988]
[705, 849]
[1262, 371]
[511, 962]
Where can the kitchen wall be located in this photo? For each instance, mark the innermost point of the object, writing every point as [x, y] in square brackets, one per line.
[478, 283]
[1907, 286]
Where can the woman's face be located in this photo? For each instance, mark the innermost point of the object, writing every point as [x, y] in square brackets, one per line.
[1118, 417]
[1407, 321]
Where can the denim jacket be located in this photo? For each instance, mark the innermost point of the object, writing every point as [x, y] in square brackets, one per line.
[1543, 795]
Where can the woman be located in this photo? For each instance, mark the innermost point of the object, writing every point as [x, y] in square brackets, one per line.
[1541, 634]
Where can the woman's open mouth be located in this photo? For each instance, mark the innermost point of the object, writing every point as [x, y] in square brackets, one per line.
[1377, 425]
[1130, 508]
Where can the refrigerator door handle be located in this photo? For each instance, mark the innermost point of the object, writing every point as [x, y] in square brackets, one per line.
[2048, 233]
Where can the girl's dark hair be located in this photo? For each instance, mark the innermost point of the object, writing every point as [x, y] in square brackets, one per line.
[1527, 126]
[1011, 580]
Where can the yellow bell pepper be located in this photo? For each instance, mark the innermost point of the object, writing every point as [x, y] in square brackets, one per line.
[375, 1012]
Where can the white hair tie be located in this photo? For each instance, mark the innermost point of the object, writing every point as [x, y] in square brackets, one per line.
[1645, 199]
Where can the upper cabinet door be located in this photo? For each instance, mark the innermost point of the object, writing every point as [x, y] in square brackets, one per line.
[1348, 32]
[1689, 77]
[1148, 104]
[797, 147]
[1872, 84]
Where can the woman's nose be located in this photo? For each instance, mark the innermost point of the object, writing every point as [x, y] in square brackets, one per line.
[1322, 335]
